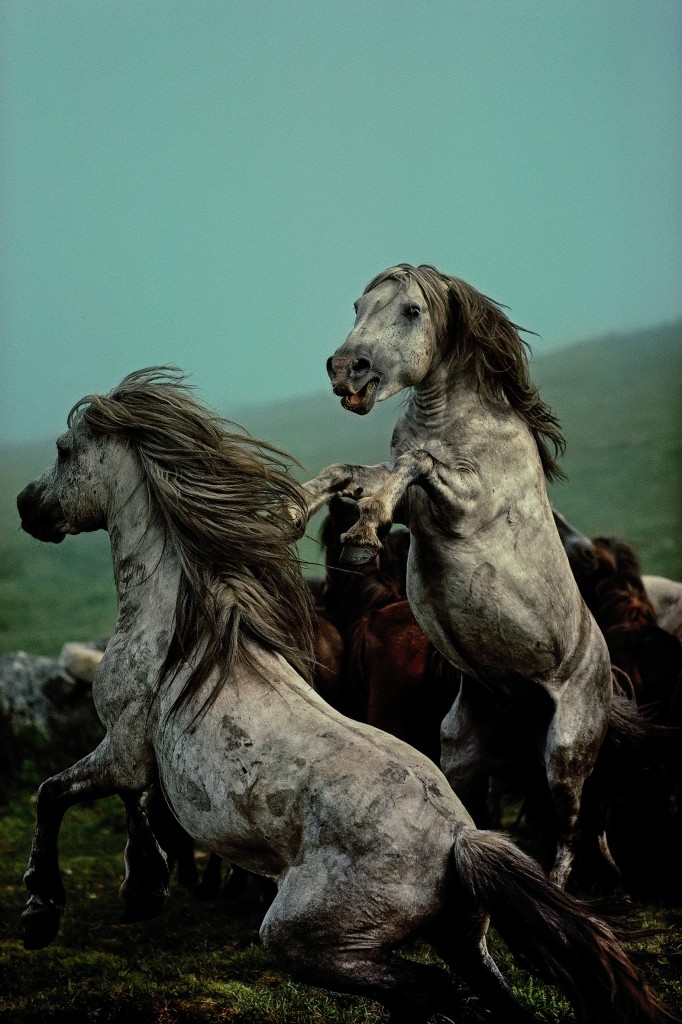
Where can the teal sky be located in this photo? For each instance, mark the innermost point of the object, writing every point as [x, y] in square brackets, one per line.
[211, 183]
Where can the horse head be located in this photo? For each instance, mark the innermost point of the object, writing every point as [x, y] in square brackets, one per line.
[392, 344]
[416, 327]
[70, 496]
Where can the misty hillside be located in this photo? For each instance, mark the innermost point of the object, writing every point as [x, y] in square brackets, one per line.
[619, 400]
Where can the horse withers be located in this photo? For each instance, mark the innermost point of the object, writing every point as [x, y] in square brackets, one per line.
[202, 689]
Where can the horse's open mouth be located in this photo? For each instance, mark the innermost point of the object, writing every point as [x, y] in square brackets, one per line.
[362, 400]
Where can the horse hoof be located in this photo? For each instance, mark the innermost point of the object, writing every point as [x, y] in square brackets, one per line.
[142, 906]
[355, 555]
[40, 921]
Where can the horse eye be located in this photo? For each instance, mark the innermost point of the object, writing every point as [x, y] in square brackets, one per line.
[411, 312]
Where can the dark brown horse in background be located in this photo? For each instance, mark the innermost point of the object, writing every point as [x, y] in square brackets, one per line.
[393, 677]
[608, 574]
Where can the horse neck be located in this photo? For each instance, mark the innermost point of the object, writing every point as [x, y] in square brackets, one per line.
[146, 567]
[441, 390]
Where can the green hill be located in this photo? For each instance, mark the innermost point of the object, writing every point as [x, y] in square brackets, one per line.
[620, 403]
[619, 399]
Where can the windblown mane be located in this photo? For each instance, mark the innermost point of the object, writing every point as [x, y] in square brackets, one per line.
[222, 500]
[487, 345]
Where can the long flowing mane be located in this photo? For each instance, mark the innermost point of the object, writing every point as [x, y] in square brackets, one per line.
[483, 342]
[222, 499]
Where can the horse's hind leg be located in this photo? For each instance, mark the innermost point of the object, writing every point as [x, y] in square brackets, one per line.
[145, 886]
[572, 744]
[466, 952]
[467, 738]
[411, 992]
[330, 942]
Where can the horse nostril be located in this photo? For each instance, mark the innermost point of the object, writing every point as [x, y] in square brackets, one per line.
[361, 365]
[330, 367]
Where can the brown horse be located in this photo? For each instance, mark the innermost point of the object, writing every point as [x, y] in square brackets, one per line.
[609, 578]
[393, 677]
[647, 786]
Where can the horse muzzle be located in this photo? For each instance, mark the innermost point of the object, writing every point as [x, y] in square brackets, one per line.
[41, 516]
[355, 381]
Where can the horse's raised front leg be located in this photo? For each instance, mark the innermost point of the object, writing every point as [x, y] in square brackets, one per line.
[361, 542]
[89, 779]
[345, 480]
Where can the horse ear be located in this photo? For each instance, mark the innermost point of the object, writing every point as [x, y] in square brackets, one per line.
[570, 537]
[579, 548]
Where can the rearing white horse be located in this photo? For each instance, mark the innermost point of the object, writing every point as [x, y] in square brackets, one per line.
[488, 579]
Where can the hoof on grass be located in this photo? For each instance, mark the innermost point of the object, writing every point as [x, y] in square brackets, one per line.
[142, 906]
[40, 921]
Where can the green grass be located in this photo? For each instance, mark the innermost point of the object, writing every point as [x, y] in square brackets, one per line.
[620, 403]
[197, 962]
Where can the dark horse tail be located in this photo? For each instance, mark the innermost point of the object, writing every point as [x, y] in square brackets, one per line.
[554, 934]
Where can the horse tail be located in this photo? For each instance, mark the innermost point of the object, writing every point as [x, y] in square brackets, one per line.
[555, 935]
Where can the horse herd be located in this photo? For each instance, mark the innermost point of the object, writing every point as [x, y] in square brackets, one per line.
[496, 641]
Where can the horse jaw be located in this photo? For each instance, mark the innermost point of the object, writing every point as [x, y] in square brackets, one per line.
[361, 401]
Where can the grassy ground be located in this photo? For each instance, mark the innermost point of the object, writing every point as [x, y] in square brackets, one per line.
[197, 962]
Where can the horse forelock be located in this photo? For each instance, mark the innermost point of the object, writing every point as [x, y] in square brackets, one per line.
[477, 338]
[223, 498]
